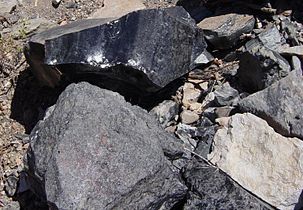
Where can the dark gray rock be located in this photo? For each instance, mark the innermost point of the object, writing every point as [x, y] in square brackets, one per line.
[271, 38]
[166, 112]
[95, 151]
[280, 105]
[260, 67]
[224, 31]
[225, 95]
[146, 48]
[212, 189]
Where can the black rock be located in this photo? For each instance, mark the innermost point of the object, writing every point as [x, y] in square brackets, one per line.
[260, 67]
[96, 151]
[146, 48]
[212, 189]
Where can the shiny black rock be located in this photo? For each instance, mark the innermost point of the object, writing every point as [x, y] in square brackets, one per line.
[147, 48]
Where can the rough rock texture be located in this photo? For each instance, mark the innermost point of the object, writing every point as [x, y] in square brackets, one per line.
[7, 6]
[166, 112]
[95, 151]
[146, 48]
[224, 31]
[280, 105]
[225, 95]
[212, 189]
[117, 8]
[260, 160]
[271, 38]
[260, 67]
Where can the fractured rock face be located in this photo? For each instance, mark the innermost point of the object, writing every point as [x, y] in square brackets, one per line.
[260, 160]
[213, 189]
[224, 31]
[280, 105]
[146, 48]
[260, 67]
[95, 151]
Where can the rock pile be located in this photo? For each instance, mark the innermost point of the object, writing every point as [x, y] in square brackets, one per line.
[230, 137]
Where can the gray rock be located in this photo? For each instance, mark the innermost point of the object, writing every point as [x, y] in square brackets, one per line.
[146, 48]
[11, 185]
[7, 6]
[260, 67]
[280, 105]
[271, 38]
[212, 189]
[189, 117]
[296, 65]
[225, 95]
[224, 31]
[166, 112]
[95, 151]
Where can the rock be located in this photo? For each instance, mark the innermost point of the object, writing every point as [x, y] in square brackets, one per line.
[7, 6]
[56, 3]
[210, 113]
[134, 38]
[224, 111]
[225, 95]
[166, 112]
[280, 105]
[224, 31]
[271, 38]
[296, 65]
[260, 67]
[117, 8]
[189, 117]
[11, 185]
[289, 51]
[260, 160]
[213, 189]
[190, 94]
[105, 154]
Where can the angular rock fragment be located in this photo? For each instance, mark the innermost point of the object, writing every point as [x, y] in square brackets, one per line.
[147, 48]
[224, 31]
[260, 67]
[225, 95]
[7, 6]
[271, 38]
[213, 189]
[280, 105]
[95, 151]
[166, 112]
[259, 159]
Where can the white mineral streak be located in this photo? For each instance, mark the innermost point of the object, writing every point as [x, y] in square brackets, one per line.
[261, 160]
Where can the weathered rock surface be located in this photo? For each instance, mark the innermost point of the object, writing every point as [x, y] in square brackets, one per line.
[166, 112]
[271, 38]
[224, 31]
[225, 95]
[260, 160]
[260, 67]
[280, 105]
[7, 6]
[146, 48]
[117, 8]
[95, 151]
[212, 189]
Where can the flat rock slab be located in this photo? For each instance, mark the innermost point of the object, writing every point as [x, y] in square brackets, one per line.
[147, 48]
[96, 151]
[280, 105]
[213, 189]
[224, 31]
[118, 8]
[259, 159]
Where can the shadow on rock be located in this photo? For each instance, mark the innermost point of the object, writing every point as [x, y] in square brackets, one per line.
[31, 100]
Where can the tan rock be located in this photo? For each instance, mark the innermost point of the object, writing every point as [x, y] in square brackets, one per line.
[117, 8]
[261, 160]
[189, 117]
[190, 94]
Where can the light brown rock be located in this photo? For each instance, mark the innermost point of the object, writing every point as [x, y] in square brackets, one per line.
[118, 8]
[189, 117]
[190, 94]
[262, 161]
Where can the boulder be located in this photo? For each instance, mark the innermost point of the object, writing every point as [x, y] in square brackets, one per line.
[224, 31]
[147, 48]
[212, 189]
[96, 151]
[260, 67]
[280, 105]
[259, 159]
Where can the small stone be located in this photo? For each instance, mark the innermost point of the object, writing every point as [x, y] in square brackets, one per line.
[224, 111]
[190, 94]
[189, 117]
[204, 86]
[11, 185]
[224, 31]
[260, 160]
[7, 6]
[196, 107]
[289, 51]
[165, 112]
[225, 95]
